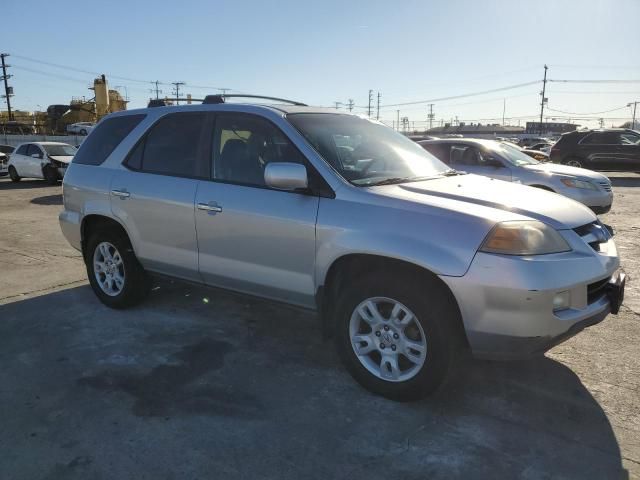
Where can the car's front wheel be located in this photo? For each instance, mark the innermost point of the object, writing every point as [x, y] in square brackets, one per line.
[396, 336]
[114, 272]
[50, 175]
[574, 162]
[13, 174]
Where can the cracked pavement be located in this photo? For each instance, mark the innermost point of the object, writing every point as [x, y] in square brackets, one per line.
[196, 383]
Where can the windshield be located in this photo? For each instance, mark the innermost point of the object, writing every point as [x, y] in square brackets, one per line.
[366, 152]
[59, 150]
[512, 154]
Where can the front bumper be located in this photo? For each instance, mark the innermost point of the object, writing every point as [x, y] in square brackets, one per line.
[599, 201]
[506, 302]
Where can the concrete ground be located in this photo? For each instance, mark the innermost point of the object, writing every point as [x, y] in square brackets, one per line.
[197, 384]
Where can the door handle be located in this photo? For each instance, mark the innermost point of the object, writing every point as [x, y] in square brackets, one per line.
[120, 193]
[208, 207]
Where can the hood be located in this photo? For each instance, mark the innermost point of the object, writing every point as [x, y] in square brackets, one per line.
[493, 199]
[61, 158]
[554, 168]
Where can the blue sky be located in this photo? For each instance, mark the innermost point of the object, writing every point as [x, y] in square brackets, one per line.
[326, 51]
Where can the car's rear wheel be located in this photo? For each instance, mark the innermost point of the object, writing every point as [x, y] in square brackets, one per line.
[13, 174]
[114, 272]
[574, 162]
[50, 175]
[396, 338]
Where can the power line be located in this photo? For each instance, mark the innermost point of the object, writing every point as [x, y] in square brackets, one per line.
[594, 81]
[589, 113]
[176, 90]
[473, 94]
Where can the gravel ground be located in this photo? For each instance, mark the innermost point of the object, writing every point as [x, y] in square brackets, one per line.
[197, 383]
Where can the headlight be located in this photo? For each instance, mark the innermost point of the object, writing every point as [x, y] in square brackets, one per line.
[575, 183]
[525, 237]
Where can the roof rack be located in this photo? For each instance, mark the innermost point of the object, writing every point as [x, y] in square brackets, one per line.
[213, 99]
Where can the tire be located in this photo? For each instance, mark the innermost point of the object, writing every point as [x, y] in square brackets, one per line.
[13, 174]
[574, 162]
[134, 285]
[50, 175]
[436, 314]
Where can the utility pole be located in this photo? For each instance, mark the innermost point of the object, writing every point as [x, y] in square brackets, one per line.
[430, 116]
[504, 109]
[156, 90]
[398, 118]
[370, 100]
[544, 100]
[633, 122]
[601, 121]
[176, 91]
[378, 107]
[337, 104]
[8, 91]
[350, 104]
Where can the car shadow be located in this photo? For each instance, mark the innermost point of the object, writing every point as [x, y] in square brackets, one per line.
[253, 376]
[22, 184]
[48, 200]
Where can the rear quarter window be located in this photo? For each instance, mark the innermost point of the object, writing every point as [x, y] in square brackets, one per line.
[106, 136]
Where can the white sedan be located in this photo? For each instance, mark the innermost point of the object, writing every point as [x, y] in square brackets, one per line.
[47, 160]
[81, 128]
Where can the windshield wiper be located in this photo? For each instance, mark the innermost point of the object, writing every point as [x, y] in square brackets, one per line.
[396, 180]
[452, 172]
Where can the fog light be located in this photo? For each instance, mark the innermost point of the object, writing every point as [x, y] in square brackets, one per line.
[561, 300]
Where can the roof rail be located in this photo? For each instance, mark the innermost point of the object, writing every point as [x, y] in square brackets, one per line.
[214, 99]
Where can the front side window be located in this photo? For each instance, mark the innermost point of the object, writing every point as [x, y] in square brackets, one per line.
[366, 152]
[105, 138]
[22, 150]
[512, 154]
[34, 149]
[244, 145]
[628, 138]
[173, 146]
[463, 155]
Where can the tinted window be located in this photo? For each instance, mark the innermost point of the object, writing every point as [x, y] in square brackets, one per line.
[463, 155]
[439, 150]
[33, 149]
[173, 146]
[629, 138]
[105, 138]
[22, 150]
[245, 144]
[601, 138]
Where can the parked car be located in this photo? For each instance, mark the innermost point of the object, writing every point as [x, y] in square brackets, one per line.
[504, 162]
[615, 149]
[47, 160]
[81, 128]
[405, 260]
[527, 142]
[5, 151]
[541, 147]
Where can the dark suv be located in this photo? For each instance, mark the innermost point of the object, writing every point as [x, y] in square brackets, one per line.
[611, 149]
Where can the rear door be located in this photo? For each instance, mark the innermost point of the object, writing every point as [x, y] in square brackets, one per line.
[252, 238]
[602, 151]
[18, 159]
[154, 196]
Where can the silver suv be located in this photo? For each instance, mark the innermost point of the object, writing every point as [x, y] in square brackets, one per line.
[405, 260]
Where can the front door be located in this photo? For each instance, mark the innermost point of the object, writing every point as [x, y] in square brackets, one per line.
[34, 164]
[154, 196]
[252, 238]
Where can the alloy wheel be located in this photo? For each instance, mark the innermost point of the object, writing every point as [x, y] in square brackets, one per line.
[108, 268]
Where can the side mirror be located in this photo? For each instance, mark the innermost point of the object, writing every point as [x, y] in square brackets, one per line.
[286, 176]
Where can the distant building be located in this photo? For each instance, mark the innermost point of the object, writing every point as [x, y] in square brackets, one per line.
[550, 127]
[476, 130]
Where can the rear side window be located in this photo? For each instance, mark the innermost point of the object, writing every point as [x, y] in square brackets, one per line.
[173, 146]
[601, 138]
[105, 138]
[22, 150]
